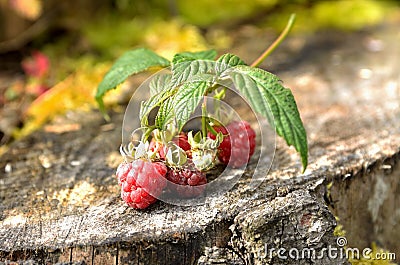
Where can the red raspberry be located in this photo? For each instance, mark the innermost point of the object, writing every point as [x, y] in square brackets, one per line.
[141, 182]
[186, 183]
[236, 149]
[122, 171]
[181, 140]
[157, 147]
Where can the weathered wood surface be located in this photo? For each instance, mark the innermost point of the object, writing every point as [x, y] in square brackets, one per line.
[60, 200]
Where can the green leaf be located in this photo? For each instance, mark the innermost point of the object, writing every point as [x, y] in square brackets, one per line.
[165, 113]
[190, 71]
[268, 97]
[159, 83]
[187, 99]
[185, 65]
[190, 56]
[129, 63]
[227, 61]
[148, 105]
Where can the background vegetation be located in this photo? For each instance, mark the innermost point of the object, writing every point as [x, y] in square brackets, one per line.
[54, 53]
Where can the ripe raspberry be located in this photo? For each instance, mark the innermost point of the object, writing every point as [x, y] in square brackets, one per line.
[236, 149]
[182, 141]
[186, 183]
[157, 147]
[122, 171]
[141, 182]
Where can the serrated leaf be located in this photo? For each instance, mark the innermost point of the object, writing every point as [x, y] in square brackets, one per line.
[129, 63]
[165, 113]
[191, 71]
[159, 83]
[268, 97]
[187, 99]
[190, 56]
[227, 61]
[148, 105]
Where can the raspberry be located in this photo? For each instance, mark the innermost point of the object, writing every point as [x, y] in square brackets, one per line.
[122, 171]
[157, 147]
[236, 149]
[141, 182]
[186, 183]
[182, 141]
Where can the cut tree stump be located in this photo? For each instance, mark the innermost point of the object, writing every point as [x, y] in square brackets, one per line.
[60, 200]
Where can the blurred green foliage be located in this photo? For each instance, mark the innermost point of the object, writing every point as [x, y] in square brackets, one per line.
[113, 34]
[350, 15]
[207, 12]
[113, 26]
[128, 24]
[343, 14]
[78, 36]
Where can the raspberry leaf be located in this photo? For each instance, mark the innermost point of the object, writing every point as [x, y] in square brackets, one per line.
[190, 70]
[129, 63]
[268, 97]
[226, 61]
[191, 56]
[187, 99]
[149, 105]
[185, 65]
[165, 114]
[159, 83]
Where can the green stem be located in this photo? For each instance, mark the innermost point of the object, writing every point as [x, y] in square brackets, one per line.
[204, 118]
[220, 95]
[147, 133]
[211, 129]
[217, 105]
[276, 43]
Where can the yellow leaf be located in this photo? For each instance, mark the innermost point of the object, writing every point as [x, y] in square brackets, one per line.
[76, 92]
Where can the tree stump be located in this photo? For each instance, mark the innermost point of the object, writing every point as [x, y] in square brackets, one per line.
[60, 200]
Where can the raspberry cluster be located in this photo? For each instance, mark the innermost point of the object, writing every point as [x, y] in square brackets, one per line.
[144, 179]
[238, 145]
[186, 183]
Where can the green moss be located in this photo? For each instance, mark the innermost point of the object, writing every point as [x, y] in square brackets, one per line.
[339, 230]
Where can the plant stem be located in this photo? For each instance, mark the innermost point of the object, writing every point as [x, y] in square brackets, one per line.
[276, 43]
[204, 118]
[147, 133]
